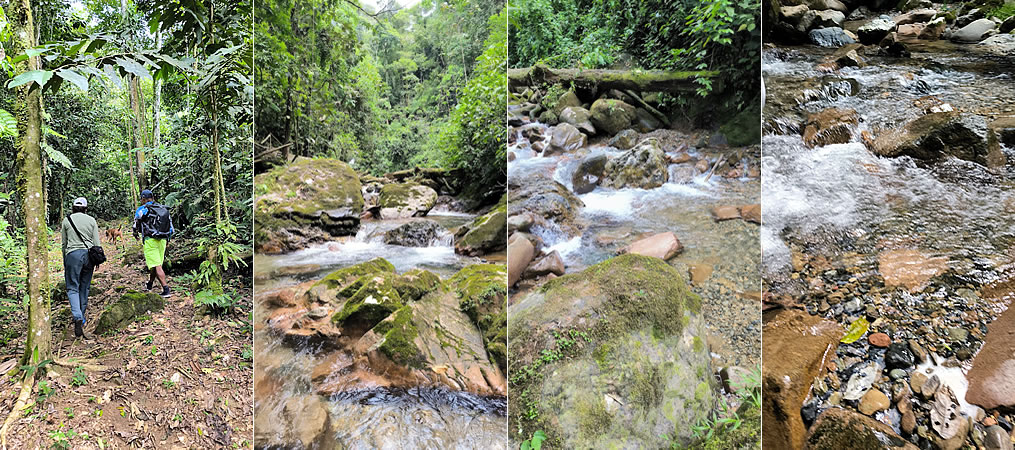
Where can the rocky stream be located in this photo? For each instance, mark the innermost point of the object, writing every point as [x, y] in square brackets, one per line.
[610, 212]
[889, 228]
[380, 315]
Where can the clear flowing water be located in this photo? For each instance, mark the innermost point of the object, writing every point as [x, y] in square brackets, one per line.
[952, 208]
[378, 418]
[613, 218]
[833, 212]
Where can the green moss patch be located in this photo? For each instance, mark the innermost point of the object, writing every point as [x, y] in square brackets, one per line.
[369, 300]
[486, 234]
[399, 339]
[342, 277]
[482, 295]
[416, 283]
[129, 307]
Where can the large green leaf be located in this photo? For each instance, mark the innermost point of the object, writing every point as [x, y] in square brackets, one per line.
[8, 124]
[133, 67]
[856, 330]
[38, 76]
[74, 77]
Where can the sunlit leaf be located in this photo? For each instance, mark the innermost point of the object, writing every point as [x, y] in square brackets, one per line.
[38, 76]
[856, 330]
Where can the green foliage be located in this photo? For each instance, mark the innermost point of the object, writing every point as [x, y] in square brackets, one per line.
[218, 303]
[474, 137]
[79, 378]
[535, 442]
[720, 35]
[62, 438]
[423, 86]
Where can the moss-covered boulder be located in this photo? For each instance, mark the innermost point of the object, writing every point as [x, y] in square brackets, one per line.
[368, 300]
[400, 200]
[633, 332]
[486, 234]
[644, 166]
[482, 295]
[416, 283]
[130, 306]
[745, 127]
[612, 116]
[306, 201]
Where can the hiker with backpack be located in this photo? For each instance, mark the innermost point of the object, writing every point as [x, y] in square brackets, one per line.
[80, 237]
[153, 224]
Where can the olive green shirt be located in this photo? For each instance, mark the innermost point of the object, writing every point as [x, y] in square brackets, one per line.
[88, 228]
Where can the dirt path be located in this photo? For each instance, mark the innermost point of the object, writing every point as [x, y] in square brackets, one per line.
[173, 380]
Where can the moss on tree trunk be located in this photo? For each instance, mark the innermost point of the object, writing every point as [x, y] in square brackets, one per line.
[28, 110]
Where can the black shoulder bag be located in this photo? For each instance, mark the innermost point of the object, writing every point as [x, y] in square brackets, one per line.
[96, 255]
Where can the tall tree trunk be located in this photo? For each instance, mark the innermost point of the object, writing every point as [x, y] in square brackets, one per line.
[137, 107]
[157, 100]
[28, 110]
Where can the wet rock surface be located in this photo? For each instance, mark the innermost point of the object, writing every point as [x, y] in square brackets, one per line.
[306, 201]
[914, 281]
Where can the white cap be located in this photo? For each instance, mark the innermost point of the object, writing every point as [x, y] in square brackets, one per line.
[80, 201]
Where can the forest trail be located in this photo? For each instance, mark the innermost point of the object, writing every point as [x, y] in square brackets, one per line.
[170, 381]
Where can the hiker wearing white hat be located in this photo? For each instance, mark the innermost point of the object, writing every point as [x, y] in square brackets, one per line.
[78, 233]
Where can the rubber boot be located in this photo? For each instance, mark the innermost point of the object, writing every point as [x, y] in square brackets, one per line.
[79, 331]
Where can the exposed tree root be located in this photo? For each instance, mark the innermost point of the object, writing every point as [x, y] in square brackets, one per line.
[26, 391]
[87, 364]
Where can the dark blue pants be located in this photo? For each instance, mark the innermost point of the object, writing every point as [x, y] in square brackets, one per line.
[78, 274]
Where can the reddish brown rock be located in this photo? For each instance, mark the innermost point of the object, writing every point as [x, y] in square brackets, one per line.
[751, 213]
[831, 126]
[804, 345]
[992, 377]
[520, 252]
[663, 246]
[909, 268]
[548, 264]
[720, 213]
[879, 340]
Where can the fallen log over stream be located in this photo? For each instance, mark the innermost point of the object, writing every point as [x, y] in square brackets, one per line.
[639, 80]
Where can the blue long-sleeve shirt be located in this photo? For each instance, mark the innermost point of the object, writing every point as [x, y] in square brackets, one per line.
[139, 218]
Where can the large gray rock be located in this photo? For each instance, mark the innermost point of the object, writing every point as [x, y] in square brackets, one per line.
[974, 32]
[643, 360]
[417, 233]
[546, 200]
[874, 31]
[644, 166]
[1001, 44]
[579, 117]
[828, 18]
[564, 138]
[936, 135]
[310, 197]
[833, 37]
[916, 16]
[401, 200]
[588, 173]
[612, 116]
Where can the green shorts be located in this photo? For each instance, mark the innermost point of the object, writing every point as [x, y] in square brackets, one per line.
[154, 252]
